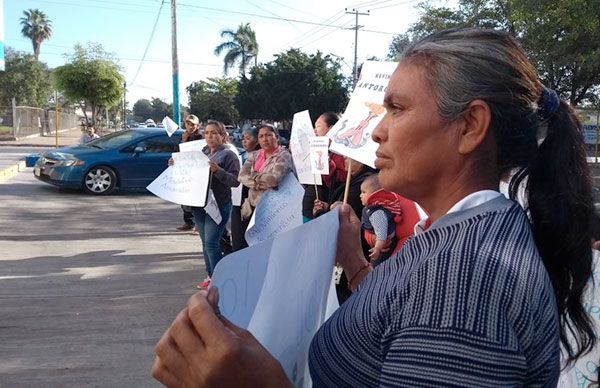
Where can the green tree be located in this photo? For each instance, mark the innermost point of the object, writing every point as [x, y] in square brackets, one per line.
[293, 82]
[92, 78]
[160, 109]
[563, 40]
[214, 99]
[241, 47]
[562, 37]
[37, 27]
[142, 109]
[25, 79]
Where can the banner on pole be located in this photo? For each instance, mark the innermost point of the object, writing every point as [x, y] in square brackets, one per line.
[351, 135]
[302, 130]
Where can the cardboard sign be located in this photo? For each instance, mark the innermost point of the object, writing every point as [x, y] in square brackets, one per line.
[277, 211]
[196, 145]
[351, 135]
[319, 154]
[186, 181]
[169, 125]
[302, 130]
[263, 288]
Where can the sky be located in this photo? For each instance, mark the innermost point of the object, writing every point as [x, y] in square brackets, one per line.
[124, 28]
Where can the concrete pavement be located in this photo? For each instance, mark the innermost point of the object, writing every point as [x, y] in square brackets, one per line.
[88, 284]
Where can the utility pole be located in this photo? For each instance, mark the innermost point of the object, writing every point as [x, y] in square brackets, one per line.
[176, 116]
[56, 118]
[124, 104]
[356, 27]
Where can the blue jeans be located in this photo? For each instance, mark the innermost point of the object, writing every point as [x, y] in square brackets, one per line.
[210, 234]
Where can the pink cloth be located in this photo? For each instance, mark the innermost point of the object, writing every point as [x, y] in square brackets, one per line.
[261, 159]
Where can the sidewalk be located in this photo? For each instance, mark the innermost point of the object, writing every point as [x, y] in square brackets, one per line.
[66, 137]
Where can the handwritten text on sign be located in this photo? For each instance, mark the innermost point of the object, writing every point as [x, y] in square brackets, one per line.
[186, 181]
[277, 211]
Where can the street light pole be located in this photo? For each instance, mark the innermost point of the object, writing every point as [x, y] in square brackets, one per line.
[176, 115]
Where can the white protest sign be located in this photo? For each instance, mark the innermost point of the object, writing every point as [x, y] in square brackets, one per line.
[277, 211]
[319, 154]
[186, 181]
[263, 289]
[351, 135]
[302, 130]
[585, 368]
[169, 125]
[212, 208]
[196, 145]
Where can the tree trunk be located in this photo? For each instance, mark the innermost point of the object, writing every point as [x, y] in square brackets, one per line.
[93, 114]
[83, 108]
[36, 49]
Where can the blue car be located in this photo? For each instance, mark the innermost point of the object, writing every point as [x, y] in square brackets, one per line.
[127, 159]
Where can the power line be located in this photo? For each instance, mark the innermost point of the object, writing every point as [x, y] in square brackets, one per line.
[293, 9]
[394, 5]
[210, 9]
[314, 31]
[267, 11]
[117, 56]
[323, 36]
[148, 45]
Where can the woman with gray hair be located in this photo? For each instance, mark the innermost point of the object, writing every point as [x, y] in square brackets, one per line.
[479, 295]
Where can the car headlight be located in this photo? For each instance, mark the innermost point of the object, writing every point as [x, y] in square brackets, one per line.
[69, 163]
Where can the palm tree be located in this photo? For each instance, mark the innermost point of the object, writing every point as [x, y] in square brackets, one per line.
[241, 46]
[37, 27]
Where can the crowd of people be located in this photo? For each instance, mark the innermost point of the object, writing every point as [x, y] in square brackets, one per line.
[481, 291]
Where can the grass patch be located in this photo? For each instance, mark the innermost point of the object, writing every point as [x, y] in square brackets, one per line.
[4, 129]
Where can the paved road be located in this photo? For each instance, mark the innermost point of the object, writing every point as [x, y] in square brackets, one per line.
[88, 284]
[12, 155]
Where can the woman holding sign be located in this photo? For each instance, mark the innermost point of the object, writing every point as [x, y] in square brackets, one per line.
[264, 169]
[481, 297]
[224, 168]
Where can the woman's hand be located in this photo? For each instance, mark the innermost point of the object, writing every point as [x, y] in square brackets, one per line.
[171, 162]
[203, 349]
[213, 167]
[320, 207]
[349, 252]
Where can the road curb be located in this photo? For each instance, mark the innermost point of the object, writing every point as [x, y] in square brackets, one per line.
[9, 172]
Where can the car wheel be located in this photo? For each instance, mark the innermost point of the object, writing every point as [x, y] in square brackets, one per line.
[100, 180]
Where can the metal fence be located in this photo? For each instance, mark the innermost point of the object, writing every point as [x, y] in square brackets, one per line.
[28, 121]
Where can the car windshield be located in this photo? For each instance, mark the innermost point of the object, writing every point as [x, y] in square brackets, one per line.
[115, 140]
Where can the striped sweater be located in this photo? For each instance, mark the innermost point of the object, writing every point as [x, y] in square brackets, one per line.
[466, 303]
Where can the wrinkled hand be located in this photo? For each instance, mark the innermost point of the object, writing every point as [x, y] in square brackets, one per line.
[201, 348]
[320, 207]
[349, 252]
[171, 162]
[213, 166]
